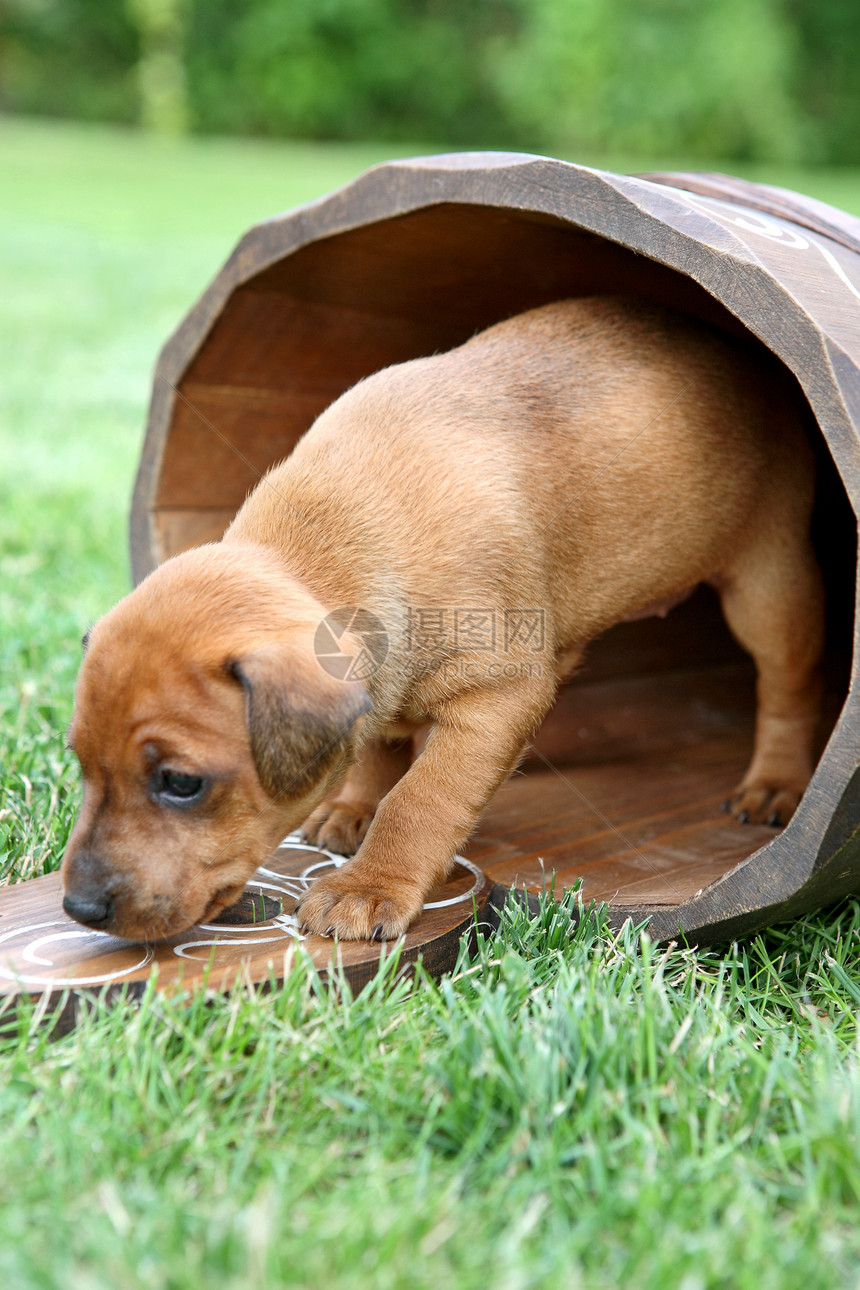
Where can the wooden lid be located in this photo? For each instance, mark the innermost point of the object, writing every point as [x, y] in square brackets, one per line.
[44, 954]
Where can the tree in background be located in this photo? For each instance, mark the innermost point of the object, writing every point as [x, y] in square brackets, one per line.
[73, 58]
[826, 83]
[348, 69]
[160, 67]
[736, 79]
[655, 76]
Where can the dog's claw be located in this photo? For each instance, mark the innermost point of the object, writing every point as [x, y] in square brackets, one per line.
[773, 819]
[726, 805]
[377, 932]
[744, 817]
[329, 931]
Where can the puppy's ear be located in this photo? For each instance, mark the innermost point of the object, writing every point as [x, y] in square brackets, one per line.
[300, 719]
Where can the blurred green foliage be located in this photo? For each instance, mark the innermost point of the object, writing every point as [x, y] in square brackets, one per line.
[71, 58]
[741, 79]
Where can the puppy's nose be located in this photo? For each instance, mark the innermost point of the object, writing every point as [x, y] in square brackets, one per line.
[90, 885]
[92, 909]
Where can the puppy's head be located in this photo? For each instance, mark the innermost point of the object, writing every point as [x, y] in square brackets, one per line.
[206, 730]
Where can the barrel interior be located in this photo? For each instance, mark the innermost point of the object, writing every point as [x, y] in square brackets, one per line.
[624, 786]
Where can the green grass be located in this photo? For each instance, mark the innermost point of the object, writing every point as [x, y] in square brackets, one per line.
[562, 1111]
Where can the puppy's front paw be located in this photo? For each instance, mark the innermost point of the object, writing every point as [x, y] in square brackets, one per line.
[772, 804]
[355, 908]
[338, 827]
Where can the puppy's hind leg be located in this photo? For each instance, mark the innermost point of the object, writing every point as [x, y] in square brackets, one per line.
[774, 603]
[340, 822]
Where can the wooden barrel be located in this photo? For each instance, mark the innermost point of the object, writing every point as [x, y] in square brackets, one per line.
[625, 787]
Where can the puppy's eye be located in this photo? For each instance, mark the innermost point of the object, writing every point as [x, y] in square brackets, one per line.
[181, 788]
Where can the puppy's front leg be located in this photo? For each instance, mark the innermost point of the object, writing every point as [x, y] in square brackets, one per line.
[423, 821]
[340, 823]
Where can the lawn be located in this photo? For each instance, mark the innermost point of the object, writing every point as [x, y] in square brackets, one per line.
[564, 1110]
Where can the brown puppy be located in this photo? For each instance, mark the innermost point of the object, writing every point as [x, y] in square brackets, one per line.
[491, 511]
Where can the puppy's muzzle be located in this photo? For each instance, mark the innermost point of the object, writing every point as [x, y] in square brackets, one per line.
[90, 889]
